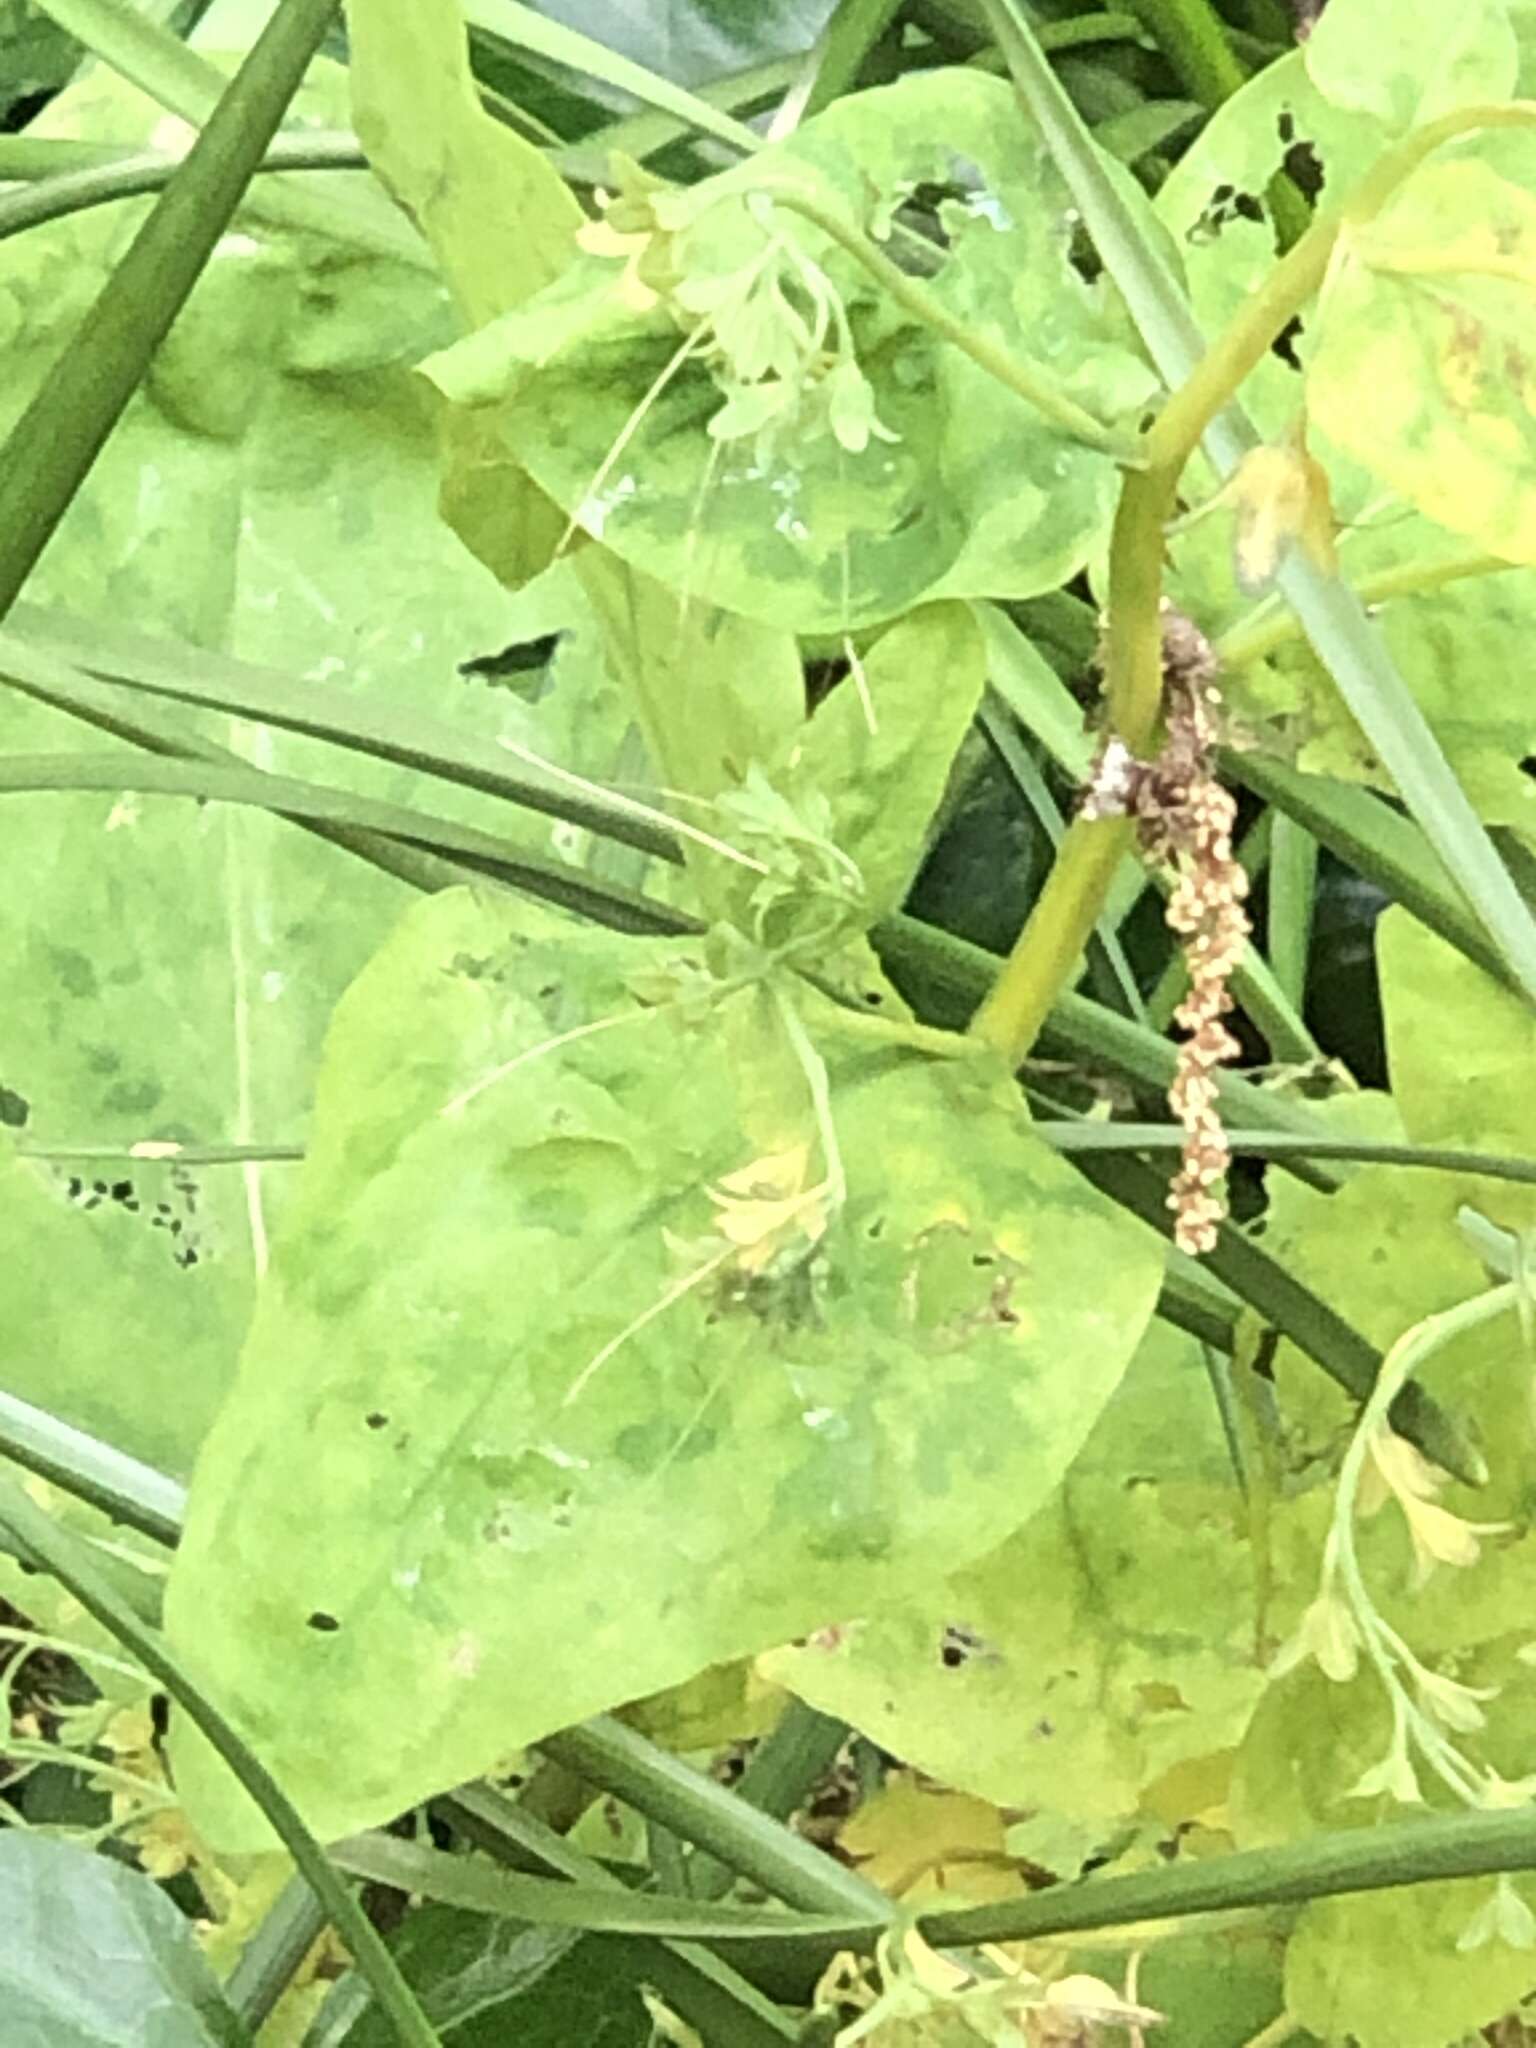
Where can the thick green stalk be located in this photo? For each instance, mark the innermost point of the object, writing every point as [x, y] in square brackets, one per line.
[128, 174]
[1318, 1867]
[1044, 961]
[621, 1761]
[69, 1560]
[49, 452]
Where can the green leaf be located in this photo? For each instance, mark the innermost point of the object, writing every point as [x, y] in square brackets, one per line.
[1461, 1052]
[1106, 1645]
[93, 1955]
[500, 221]
[1431, 62]
[1428, 306]
[126, 1304]
[272, 492]
[882, 745]
[1345, 1977]
[469, 1971]
[576, 1337]
[499, 217]
[723, 475]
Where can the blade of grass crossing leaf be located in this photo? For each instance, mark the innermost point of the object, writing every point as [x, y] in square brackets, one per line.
[550, 1902]
[833, 63]
[128, 174]
[132, 1493]
[1333, 619]
[622, 1762]
[1292, 898]
[327, 712]
[217, 782]
[702, 1989]
[1365, 832]
[1292, 1309]
[69, 1560]
[140, 50]
[541, 36]
[51, 448]
[188, 84]
[275, 1952]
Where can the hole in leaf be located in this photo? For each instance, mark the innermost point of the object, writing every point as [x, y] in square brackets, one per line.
[377, 1420]
[1284, 343]
[14, 1108]
[324, 1624]
[822, 676]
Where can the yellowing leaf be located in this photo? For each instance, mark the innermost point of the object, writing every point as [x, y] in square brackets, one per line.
[1423, 368]
[1281, 496]
[914, 1839]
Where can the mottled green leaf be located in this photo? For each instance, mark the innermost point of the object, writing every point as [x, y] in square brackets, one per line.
[92, 1955]
[810, 526]
[558, 1392]
[1103, 1646]
[1428, 307]
[1431, 62]
[271, 492]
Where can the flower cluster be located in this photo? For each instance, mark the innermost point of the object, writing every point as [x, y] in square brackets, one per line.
[1184, 820]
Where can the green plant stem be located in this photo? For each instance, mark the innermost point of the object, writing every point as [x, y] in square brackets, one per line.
[620, 1761]
[792, 1757]
[1292, 899]
[50, 450]
[1319, 1867]
[130, 1492]
[129, 173]
[1086, 1135]
[1270, 626]
[1192, 36]
[69, 1560]
[275, 1952]
[914, 296]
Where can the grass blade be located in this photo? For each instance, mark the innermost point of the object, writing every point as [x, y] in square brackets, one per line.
[542, 37]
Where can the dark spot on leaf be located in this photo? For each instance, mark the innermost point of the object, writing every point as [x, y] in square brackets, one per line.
[160, 1715]
[1286, 124]
[325, 1624]
[98, 1187]
[14, 1108]
[873, 997]
[1284, 343]
[1225, 205]
[122, 1191]
[377, 1420]
[1528, 765]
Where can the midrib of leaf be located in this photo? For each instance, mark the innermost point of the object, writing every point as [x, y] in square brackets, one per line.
[1332, 617]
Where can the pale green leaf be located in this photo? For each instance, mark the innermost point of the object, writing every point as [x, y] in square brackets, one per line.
[499, 217]
[1385, 1970]
[565, 1350]
[1433, 60]
[881, 747]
